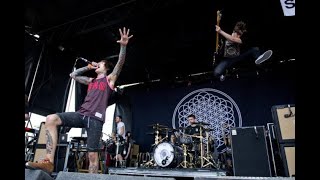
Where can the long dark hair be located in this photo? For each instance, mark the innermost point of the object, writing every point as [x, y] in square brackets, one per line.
[240, 28]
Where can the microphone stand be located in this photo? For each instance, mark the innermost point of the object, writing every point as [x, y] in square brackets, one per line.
[117, 150]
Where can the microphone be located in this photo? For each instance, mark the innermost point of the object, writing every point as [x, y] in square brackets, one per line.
[85, 60]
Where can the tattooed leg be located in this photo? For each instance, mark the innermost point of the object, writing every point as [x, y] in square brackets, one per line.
[93, 164]
[49, 142]
[51, 124]
[93, 169]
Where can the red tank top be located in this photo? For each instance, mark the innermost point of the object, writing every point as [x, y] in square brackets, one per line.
[96, 101]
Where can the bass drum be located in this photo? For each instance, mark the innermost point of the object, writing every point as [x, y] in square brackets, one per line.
[165, 155]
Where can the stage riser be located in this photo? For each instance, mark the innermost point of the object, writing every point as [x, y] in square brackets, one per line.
[86, 176]
[36, 175]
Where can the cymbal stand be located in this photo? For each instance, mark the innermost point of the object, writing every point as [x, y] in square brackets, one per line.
[166, 137]
[150, 162]
[185, 163]
[201, 153]
[208, 156]
[156, 142]
[156, 139]
[117, 149]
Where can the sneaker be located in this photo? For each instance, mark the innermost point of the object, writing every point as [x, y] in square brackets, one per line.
[222, 77]
[44, 165]
[265, 56]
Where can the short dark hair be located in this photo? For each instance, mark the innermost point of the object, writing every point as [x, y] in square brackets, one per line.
[191, 115]
[120, 116]
[107, 64]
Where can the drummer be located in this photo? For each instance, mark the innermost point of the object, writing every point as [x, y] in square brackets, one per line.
[193, 127]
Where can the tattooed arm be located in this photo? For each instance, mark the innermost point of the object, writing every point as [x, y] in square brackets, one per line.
[81, 79]
[123, 45]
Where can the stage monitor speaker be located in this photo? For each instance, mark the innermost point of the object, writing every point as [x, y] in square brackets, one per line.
[288, 158]
[40, 149]
[249, 152]
[284, 120]
[36, 175]
[86, 176]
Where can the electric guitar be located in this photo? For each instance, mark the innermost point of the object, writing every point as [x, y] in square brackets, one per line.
[218, 47]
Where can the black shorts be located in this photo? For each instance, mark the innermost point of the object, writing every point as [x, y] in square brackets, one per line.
[92, 125]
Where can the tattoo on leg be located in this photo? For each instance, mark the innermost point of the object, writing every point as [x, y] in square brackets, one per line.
[49, 142]
[93, 169]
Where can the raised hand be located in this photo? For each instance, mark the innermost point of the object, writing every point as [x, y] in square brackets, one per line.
[124, 36]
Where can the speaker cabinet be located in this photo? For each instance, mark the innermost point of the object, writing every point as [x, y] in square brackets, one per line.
[288, 157]
[284, 120]
[61, 149]
[249, 152]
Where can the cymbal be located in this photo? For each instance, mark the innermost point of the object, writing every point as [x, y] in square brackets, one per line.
[153, 133]
[180, 128]
[157, 126]
[166, 129]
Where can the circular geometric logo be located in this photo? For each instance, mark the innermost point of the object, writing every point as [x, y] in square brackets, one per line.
[210, 106]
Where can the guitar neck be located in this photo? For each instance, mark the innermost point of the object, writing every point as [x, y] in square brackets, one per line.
[217, 42]
[217, 38]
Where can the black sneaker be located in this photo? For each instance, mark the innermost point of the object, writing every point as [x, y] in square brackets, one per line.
[265, 56]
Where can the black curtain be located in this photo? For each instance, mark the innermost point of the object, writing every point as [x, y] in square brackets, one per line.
[51, 83]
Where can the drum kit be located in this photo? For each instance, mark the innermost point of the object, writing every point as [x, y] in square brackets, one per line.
[190, 150]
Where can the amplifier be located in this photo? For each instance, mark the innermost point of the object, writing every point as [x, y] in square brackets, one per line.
[249, 152]
[284, 122]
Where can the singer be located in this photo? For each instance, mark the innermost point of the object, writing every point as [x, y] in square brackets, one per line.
[91, 114]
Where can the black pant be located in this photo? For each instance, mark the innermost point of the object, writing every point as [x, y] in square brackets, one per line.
[220, 69]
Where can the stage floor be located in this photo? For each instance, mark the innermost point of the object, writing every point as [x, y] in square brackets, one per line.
[167, 172]
[197, 174]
